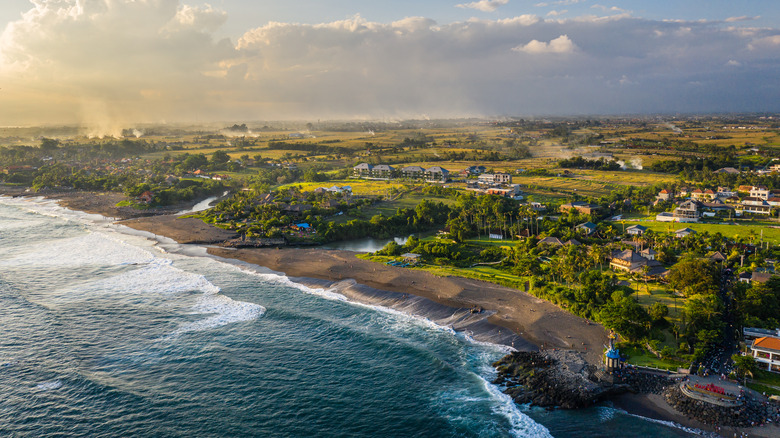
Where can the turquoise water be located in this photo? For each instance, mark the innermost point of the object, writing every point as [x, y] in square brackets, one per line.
[105, 333]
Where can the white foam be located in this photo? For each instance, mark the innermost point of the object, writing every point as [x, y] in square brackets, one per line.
[671, 424]
[49, 386]
[522, 425]
[95, 249]
[224, 310]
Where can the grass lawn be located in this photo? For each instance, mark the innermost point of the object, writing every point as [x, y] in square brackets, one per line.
[741, 229]
[641, 357]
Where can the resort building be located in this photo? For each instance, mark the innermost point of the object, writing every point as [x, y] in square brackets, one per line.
[362, 170]
[636, 262]
[437, 174]
[413, 172]
[382, 171]
[766, 352]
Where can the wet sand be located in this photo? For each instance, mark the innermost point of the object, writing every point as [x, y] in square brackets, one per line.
[536, 321]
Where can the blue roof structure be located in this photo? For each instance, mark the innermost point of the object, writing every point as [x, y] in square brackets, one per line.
[303, 225]
[613, 354]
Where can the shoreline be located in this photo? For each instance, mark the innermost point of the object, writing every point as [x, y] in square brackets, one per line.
[537, 322]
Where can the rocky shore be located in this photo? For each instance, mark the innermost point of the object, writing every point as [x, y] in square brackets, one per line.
[556, 378]
[752, 413]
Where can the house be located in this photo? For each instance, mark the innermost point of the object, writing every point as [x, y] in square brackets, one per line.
[588, 228]
[495, 178]
[683, 232]
[773, 201]
[665, 195]
[725, 192]
[730, 170]
[766, 352]
[476, 170]
[745, 277]
[756, 205]
[718, 257]
[302, 227]
[750, 334]
[759, 192]
[573, 242]
[413, 172]
[632, 261]
[382, 171]
[582, 207]
[648, 253]
[628, 260]
[362, 170]
[551, 241]
[688, 211]
[760, 277]
[636, 230]
[437, 174]
[146, 197]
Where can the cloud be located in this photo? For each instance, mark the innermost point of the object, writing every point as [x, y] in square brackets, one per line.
[108, 63]
[562, 44]
[483, 5]
[558, 3]
[742, 18]
[557, 13]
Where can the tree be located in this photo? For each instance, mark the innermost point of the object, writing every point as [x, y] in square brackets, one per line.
[694, 276]
[49, 144]
[744, 366]
[658, 311]
[220, 157]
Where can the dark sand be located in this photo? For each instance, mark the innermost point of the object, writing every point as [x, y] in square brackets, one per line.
[535, 320]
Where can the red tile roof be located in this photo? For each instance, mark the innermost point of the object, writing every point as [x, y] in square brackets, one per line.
[767, 343]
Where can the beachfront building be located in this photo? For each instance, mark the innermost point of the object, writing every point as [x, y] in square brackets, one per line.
[636, 230]
[766, 352]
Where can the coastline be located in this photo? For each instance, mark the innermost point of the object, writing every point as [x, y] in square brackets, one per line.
[536, 321]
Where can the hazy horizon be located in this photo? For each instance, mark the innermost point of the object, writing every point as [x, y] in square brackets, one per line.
[110, 65]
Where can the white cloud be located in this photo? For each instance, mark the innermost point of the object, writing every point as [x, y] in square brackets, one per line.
[742, 18]
[733, 63]
[483, 5]
[562, 44]
[557, 13]
[149, 60]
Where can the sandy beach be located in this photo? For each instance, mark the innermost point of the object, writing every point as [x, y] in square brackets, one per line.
[533, 319]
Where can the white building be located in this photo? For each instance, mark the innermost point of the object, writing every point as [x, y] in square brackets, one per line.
[766, 351]
[759, 192]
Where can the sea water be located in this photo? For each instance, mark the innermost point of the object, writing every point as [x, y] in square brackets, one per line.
[105, 333]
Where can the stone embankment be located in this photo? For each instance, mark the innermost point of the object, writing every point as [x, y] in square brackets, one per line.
[553, 379]
[751, 413]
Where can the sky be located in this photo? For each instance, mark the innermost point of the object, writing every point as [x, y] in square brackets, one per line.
[112, 63]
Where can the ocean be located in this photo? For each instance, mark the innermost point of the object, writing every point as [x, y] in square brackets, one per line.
[108, 332]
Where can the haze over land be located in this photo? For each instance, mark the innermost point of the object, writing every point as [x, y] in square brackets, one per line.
[106, 64]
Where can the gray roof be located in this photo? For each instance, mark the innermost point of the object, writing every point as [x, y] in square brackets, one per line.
[412, 169]
[383, 168]
[363, 166]
[437, 169]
